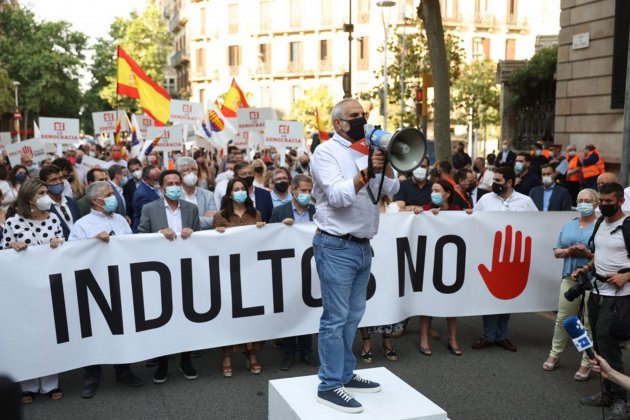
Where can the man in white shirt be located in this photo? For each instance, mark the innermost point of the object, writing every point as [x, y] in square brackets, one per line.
[502, 198]
[610, 298]
[101, 223]
[202, 198]
[626, 200]
[346, 220]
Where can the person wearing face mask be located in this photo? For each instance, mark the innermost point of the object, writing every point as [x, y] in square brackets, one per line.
[539, 157]
[503, 198]
[280, 187]
[346, 221]
[461, 159]
[474, 192]
[260, 173]
[222, 180]
[31, 167]
[147, 192]
[303, 165]
[573, 176]
[71, 187]
[610, 297]
[416, 190]
[259, 196]
[549, 196]
[33, 224]
[92, 176]
[172, 217]
[526, 177]
[238, 210]
[506, 157]
[298, 210]
[134, 169]
[118, 178]
[203, 199]
[572, 247]
[117, 156]
[11, 186]
[101, 223]
[64, 207]
[462, 189]
[592, 166]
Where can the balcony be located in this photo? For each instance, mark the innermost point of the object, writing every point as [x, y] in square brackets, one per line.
[180, 58]
[235, 70]
[516, 23]
[325, 65]
[453, 20]
[173, 23]
[485, 21]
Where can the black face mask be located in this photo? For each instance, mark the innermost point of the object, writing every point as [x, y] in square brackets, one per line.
[356, 132]
[471, 188]
[249, 180]
[282, 186]
[608, 210]
[498, 189]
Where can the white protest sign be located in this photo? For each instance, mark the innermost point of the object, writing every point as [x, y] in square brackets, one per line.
[185, 112]
[5, 139]
[59, 130]
[171, 137]
[283, 134]
[91, 163]
[144, 121]
[33, 148]
[105, 122]
[253, 119]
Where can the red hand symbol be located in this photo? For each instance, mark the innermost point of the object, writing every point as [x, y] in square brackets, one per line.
[507, 279]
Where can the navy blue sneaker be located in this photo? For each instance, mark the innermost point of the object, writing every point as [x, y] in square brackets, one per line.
[339, 399]
[359, 384]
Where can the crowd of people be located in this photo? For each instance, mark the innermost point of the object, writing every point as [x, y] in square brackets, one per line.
[61, 200]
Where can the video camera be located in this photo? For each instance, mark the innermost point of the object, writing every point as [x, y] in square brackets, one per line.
[582, 285]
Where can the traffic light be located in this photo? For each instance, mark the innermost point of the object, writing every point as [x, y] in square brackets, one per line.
[418, 103]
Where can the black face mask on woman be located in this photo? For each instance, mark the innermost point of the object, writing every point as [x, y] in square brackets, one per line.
[356, 131]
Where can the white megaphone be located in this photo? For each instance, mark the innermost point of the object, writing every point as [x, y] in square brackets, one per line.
[405, 149]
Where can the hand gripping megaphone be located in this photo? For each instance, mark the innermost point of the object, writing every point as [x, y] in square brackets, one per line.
[404, 150]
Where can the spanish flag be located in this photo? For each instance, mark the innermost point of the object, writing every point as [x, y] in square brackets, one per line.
[234, 99]
[323, 134]
[134, 83]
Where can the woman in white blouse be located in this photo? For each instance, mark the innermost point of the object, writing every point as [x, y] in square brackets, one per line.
[34, 225]
[11, 186]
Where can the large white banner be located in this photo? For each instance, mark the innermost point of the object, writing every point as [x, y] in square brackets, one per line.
[33, 148]
[141, 296]
[59, 130]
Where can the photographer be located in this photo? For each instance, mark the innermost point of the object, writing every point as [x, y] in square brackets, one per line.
[610, 297]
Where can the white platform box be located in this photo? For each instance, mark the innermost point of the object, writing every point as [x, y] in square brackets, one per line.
[296, 399]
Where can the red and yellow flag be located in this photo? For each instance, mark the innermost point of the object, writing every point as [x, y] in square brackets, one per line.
[133, 82]
[117, 138]
[323, 134]
[234, 99]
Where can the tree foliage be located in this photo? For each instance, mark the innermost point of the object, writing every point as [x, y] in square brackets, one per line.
[6, 92]
[476, 90]
[46, 58]
[533, 84]
[303, 109]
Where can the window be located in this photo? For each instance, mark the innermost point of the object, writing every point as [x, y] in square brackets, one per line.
[294, 13]
[510, 49]
[233, 18]
[406, 10]
[265, 15]
[364, 11]
[200, 61]
[234, 59]
[512, 12]
[362, 53]
[326, 11]
[295, 56]
[450, 8]
[481, 7]
[265, 96]
[296, 93]
[202, 96]
[202, 21]
[264, 57]
[481, 49]
[324, 54]
[169, 85]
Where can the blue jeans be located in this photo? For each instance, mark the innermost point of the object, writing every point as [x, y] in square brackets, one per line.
[495, 327]
[343, 267]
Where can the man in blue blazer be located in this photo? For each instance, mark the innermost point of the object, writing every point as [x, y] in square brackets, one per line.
[134, 169]
[63, 206]
[118, 178]
[550, 196]
[298, 210]
[145, 193]
[261, 197]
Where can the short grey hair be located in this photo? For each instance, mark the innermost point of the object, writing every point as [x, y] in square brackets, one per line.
[295, 182]
[337, 111]
[185, 161]
[594, 194]
[94, 189]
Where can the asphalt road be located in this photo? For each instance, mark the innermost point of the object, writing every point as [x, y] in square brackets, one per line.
[482, 384]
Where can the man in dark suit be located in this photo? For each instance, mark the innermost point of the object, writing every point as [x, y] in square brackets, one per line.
[134, 168]
[505, 157]
[145, 193]
[261, 197]
[298, 210]
[526, 178]
[474, 193]
[549, 196]
[63, 206]
[92, 176]
[171, 217]
[118, 178]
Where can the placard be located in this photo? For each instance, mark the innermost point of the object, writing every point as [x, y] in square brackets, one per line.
[282, 134]
[59, 130]
[172, 137]
[253, 119]
[185, 112]
[91, 163]
[105, 122]
[33, 147]
[5, 139]
[144, 121]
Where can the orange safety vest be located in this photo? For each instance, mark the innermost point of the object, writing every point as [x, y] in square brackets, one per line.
[596, 169]
[573, 164]
[545, 153]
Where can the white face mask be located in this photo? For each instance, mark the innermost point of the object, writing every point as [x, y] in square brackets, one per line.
[420, 173]
[547, 180]
[137, 174]
[44, 202]
[190, 179]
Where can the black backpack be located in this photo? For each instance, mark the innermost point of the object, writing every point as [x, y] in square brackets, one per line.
[625, 229]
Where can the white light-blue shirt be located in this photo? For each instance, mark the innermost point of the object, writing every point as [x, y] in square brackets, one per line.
[339, 209]
[95, 222]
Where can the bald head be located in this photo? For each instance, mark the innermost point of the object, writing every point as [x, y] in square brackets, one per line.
[606, 178]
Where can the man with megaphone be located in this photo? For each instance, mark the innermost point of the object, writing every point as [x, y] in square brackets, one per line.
[346, 220]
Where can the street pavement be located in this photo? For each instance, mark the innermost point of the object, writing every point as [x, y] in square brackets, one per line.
[482, 384]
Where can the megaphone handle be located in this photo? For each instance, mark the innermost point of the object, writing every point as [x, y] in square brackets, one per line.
[370, 168]
[372, 175]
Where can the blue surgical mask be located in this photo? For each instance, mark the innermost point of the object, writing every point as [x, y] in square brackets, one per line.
[518, 167]
[125, 180]
[538, 152]
[239, 196]
[20, 178]
[55, 189]
[173, 192]
[585, 209]
[303, 199]
[110, 204]
[436, 198]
